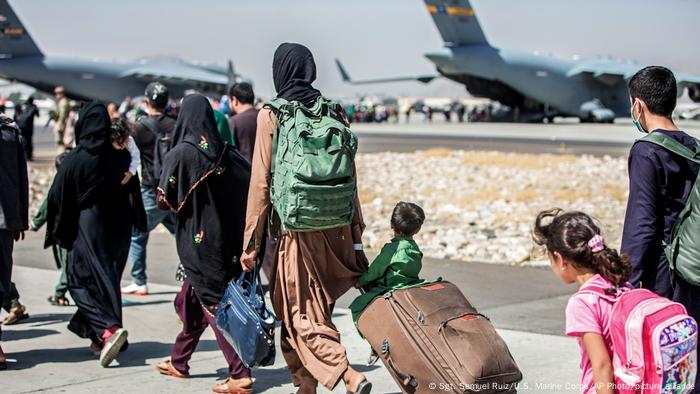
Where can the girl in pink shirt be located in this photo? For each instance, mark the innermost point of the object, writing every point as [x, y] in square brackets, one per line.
[577, 253]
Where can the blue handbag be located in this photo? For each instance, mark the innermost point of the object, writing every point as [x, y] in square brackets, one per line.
[246, 322]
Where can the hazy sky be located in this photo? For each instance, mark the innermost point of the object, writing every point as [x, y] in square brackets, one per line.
[374, 38]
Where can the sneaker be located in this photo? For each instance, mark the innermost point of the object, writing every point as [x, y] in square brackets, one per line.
[112, 346]
[135, 289]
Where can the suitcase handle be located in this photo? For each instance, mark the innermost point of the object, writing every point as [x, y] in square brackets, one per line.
[406, 380]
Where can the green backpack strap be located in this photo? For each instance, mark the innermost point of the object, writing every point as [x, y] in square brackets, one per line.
[672, 145]
[685, 260]
[279, 107]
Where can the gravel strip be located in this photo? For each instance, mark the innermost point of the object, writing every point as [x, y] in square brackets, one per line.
[479, 206]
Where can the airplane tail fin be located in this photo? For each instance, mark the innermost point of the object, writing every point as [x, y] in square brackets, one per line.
[457, 22]
[15, 40]
[343, 72]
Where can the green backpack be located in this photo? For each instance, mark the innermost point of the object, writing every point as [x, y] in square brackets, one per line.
[683, 252]
[313, 151]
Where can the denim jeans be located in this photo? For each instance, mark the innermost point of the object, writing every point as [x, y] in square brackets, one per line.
[154, 216]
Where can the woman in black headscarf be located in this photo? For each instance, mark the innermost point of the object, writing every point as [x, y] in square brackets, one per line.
[313, 268]
[205, 183]
[91, 214]
[293, 72]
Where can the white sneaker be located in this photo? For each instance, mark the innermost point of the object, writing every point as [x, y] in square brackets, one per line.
[111, 348]
[135, 289]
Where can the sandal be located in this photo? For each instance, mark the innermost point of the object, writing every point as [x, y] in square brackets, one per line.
[365, 387]
[16, 314]
[234, 386]
[58, 301]
[373, 358]
[166, 368]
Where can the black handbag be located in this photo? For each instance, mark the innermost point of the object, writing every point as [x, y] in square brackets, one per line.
[246, 322]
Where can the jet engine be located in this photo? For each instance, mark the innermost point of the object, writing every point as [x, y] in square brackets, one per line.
[694, 93]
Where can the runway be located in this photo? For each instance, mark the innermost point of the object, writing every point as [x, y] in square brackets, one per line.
[558, 138]
[372, 142]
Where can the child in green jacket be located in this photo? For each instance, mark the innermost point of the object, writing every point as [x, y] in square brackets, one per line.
[398, 264]
[60, 255]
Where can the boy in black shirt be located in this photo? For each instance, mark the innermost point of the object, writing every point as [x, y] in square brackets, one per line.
[151, 133]
[660, 183]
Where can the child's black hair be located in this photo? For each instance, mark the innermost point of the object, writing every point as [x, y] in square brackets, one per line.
[568, 234]
[656, 86]
[120, 130]
[407, 218]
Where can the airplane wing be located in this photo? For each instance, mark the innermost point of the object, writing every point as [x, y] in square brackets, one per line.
[606, 72]
[611, 73]
[424, 78]
[197, 77]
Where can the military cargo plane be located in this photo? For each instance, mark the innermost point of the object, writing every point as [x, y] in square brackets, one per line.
[533, 85]
[21, 60]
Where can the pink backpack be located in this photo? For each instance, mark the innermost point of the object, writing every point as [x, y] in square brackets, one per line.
[654, 341]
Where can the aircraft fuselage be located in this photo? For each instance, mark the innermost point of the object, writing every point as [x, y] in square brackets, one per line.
[526, 80]
[82, 78]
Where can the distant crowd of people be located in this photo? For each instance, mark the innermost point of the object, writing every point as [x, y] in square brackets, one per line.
[243, 192]
[380, 113]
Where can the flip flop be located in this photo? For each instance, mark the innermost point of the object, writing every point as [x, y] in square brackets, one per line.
[58, 301]
[226, 388]
[13, 317]
[166, 368]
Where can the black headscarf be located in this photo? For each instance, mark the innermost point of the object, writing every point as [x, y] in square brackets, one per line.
[86, 170]
[196, 150]
[92, 130]
[293, 71]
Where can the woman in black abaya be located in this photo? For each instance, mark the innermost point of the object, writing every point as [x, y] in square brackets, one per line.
[205, 183]
[91, 214]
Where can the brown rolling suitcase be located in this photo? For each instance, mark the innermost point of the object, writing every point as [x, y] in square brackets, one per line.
[431, 339]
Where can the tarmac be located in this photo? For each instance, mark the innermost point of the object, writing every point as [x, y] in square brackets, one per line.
[523, 303]
[563, 137]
